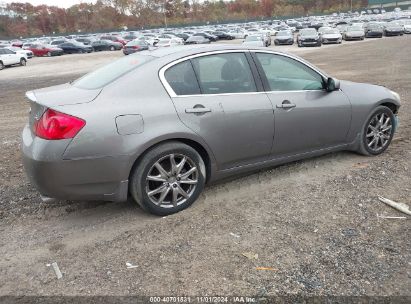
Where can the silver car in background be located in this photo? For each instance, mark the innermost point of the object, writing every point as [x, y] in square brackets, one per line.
[158, 125]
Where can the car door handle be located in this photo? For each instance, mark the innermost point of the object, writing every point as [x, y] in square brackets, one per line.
[198, 110]
[286, 105]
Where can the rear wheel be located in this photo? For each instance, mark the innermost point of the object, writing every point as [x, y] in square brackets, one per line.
[48, 54]
[377, 132]
[168, 179]
[112, 48]
[1, 65]
[23, 62]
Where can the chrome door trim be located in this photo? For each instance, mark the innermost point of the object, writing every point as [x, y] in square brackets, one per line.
[172, 94]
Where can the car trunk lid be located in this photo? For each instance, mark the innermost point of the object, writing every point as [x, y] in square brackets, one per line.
[60, 95]
[52, 97]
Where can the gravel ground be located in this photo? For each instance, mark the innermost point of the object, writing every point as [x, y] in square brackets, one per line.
[315, 222]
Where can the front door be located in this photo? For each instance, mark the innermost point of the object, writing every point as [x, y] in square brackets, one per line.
[216, 97]
[307, 118]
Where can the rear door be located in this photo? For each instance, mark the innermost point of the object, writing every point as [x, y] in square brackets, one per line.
[217, 97]
[307, 118]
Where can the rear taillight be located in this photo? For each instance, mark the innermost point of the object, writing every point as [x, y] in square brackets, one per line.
[54, 125]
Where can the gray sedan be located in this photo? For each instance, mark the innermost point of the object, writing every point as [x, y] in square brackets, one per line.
[159, 125]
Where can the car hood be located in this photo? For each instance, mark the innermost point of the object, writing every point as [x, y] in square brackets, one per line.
[309, 37]
[60, 95]
[283, 37]
[331, 36]
[356, 33]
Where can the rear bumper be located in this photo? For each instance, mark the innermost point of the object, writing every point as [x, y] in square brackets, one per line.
[79, 179]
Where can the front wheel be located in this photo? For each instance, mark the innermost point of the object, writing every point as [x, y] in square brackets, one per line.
[168, 179]
[2, 66]
[22, 62]
[112, 48]
[377, 132]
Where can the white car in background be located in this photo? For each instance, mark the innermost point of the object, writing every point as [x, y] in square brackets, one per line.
[8, 58]
[18, 50]
[169, 42]
[237, 34]
[254, 41]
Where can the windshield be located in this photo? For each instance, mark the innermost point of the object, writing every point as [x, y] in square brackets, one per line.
[308, 32]
[110, 72]
[354, 28]
[284, 33]
[331, 31]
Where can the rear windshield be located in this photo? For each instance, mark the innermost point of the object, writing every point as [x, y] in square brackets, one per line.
[110, 72]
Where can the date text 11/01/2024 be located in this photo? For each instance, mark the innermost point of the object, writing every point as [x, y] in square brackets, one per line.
[203, 299]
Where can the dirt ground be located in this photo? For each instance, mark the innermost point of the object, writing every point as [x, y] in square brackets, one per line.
[316, 222]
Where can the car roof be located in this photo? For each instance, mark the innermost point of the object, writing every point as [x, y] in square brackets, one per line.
[186, 50]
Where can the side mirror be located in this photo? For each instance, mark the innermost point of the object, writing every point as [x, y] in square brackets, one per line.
[332, 84]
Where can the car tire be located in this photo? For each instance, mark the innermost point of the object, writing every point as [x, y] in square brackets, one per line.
[23, 61]
[166, 183]
[373, 120]
[2, 66]
[112, 48]
[48, 54]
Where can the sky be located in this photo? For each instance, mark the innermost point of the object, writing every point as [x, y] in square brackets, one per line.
[60, 3]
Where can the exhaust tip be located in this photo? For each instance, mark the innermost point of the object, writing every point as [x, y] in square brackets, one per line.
[47, 199]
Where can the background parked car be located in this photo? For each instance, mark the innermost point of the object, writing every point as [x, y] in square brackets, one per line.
[197, 40]
[169, 42]
[16, 43]
[407, 26]
[331, 35]
[75, 47]
[40, 50]
[183, 36]
[135, 46]
[8, 58]
[373, 30]
[18, 50]
[85, 41]
[354, 32]
[106, 45]
[114, 39]
[393, 28]
[58, 42]
[208, 36]
[284, 37]
[308, 37]
[223, 36]
[254, 41]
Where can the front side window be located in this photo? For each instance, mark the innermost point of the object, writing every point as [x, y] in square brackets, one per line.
[286, 74]
[224, 73]
[182, 79]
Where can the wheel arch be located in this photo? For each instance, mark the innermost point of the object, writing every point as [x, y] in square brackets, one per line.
[204, 152]
[393, 106]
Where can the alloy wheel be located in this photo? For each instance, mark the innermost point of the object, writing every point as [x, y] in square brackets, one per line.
[378, 132]
[172, 180]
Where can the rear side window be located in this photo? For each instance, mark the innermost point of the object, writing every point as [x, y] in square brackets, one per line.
[224, 73]
[182, 79]
[110, 72]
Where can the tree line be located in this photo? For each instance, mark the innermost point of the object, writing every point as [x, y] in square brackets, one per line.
[24, 19]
